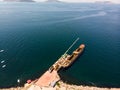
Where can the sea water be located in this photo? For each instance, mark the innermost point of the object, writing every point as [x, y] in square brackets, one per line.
[34, 35]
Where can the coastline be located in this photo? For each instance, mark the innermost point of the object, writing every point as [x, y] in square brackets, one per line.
[51, 80]
[64, 86]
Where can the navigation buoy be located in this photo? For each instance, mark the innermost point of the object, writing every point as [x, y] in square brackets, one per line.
[18, 80]
[29, 81]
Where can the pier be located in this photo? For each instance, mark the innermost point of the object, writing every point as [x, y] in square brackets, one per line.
[51, 77]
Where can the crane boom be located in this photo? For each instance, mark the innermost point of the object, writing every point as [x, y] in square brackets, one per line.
[71, 46]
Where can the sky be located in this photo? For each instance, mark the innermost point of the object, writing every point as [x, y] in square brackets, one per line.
[114, 1]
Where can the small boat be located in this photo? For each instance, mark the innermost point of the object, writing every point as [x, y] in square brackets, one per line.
[1, 50]
[2, 61]
[3, 66]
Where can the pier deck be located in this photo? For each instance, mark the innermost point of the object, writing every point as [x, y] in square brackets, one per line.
[48, 78]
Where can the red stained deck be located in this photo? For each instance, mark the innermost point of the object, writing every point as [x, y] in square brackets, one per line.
[47, 78]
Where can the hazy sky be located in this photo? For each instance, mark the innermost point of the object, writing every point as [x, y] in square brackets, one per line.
[115, 1]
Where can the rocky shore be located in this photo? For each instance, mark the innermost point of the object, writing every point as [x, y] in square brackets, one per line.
[64, 86]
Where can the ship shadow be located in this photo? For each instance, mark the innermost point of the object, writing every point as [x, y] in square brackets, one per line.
[83, 83]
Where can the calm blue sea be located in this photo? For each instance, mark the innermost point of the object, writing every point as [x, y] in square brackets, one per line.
[34, 35]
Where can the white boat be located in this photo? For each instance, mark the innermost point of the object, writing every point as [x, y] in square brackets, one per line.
[3, 66]
[1, 50]
[2, 61]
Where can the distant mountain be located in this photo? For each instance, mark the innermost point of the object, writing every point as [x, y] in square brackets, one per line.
[53, 1]
[30, 1]
[18, 0]
[104, 2]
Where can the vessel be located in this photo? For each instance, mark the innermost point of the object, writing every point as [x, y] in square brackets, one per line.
[66, 60]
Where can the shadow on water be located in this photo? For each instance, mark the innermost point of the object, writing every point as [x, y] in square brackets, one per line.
[73, 81]
[67, 79]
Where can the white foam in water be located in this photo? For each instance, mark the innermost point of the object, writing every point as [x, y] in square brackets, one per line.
[101, 13]
[2, 61]
[1, 50]
[3, 66]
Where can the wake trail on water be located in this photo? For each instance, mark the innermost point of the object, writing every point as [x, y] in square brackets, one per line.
[101, 13]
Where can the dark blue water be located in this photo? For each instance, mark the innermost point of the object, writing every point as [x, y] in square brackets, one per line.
[34, 35]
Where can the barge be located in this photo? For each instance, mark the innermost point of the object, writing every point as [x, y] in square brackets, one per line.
[66, 60]
[71, 58]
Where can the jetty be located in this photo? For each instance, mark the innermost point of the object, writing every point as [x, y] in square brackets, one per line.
[51, 77]
[66, 60]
